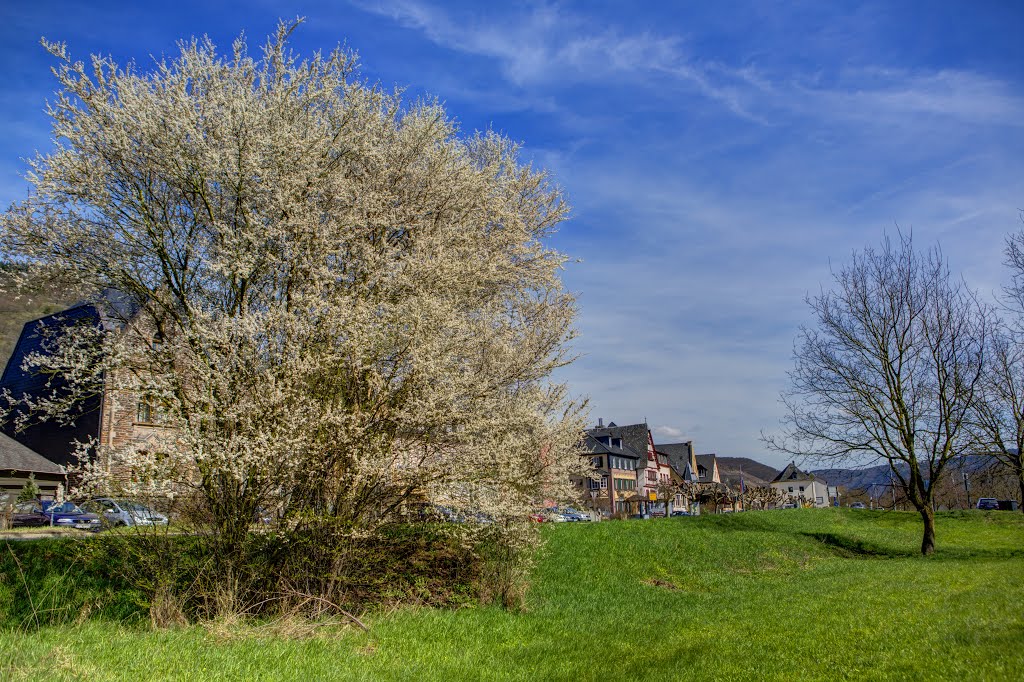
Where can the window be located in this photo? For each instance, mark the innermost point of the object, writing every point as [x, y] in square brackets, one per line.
[617, 442]
[819, 500]
[652, 476]
[151, 411]
[604, 483]
[791, 488]
[597, 461]
[801, 488]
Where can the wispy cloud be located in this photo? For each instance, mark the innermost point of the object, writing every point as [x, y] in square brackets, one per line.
[887, 94]
[547, 45]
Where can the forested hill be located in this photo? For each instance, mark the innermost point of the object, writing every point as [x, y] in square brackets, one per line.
[857, 479]
[16, 310]
[754, 473]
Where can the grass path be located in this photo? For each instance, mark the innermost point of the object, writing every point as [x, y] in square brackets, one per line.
[796, 594]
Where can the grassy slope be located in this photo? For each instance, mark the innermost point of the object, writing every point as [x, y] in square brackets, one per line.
[799, 594]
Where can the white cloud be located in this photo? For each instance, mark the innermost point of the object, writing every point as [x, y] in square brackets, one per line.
[665, 433]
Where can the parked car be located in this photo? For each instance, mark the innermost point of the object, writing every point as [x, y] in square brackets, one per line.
[66, 515]
[548, 516]
[988, 503]
[858, 505]
[116, 512]
[28, 514]
[681, 513]
[571, 514]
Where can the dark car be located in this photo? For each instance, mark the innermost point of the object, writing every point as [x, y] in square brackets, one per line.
[68, 515]
[988, 503]
[28, 514]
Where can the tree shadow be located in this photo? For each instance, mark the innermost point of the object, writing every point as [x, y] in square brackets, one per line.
[856, 548]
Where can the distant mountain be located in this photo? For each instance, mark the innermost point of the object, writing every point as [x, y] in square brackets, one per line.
[855, 479]
[984, 469]
[754, 473]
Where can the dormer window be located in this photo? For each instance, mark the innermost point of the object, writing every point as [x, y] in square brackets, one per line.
[617, 443]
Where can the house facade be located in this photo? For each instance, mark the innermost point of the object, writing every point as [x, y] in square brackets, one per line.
[801, 487]
[616, 489]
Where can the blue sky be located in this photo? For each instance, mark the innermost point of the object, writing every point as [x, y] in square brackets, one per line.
[718, 156]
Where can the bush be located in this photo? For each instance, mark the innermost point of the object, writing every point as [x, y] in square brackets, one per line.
[321, 570]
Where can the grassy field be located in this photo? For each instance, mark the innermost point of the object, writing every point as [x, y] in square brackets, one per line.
[796, 594]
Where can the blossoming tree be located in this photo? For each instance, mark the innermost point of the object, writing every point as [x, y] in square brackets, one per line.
[338, 301]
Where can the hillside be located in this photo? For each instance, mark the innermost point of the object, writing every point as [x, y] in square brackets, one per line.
[855, 479]
[775, 595]
[16, 309]
[754, 473]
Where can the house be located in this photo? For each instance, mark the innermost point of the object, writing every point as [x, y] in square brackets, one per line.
[682, 460]
[106, 417]
[18, 462]
[707, 469]
[802, 487]
[645, 473]
[615, 490]
[682, 471]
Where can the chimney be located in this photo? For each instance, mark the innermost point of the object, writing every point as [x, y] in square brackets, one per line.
[600, 422]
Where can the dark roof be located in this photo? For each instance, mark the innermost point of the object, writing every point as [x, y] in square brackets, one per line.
[54, 440]
[678, 455]
[793, 473]
[634, 438]
[706, 461]
[32, 339]
[596, 447]
[16, 457]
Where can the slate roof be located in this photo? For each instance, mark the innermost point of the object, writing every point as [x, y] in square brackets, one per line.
[678, 455]
[52, 440]
[634, 438]
[16, 457]
[596, 447]
[793, 473]
[20, 382]
[708, 462]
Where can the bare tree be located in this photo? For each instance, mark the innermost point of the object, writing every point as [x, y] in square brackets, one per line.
[999, 417]
[761, 497]
[890, 371]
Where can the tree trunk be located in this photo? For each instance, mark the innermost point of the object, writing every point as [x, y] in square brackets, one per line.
[1021, 476]
[928, 541]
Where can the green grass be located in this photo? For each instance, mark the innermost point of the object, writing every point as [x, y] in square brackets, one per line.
[796, 594]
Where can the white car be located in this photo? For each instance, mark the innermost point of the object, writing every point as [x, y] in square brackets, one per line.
[124, 512]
